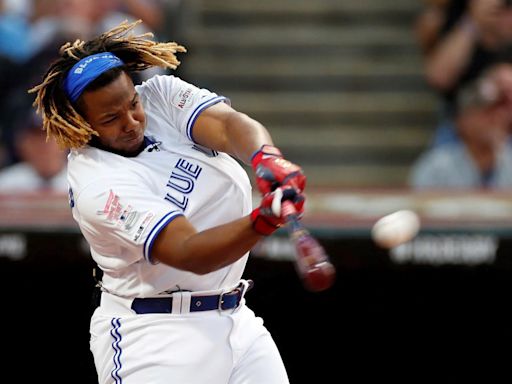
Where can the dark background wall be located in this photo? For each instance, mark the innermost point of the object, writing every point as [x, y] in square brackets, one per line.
[379, 321]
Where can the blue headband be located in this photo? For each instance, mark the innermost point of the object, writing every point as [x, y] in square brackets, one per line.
[87, 70]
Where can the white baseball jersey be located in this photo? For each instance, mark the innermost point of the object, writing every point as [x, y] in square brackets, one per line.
[122, 203]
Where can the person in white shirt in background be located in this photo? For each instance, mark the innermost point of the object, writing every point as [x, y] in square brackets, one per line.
[42, 164]
[482, 158]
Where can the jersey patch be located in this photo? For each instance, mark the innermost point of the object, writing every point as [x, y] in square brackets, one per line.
[143, 226]
[184, 98]
[112, 208]
[124, 216]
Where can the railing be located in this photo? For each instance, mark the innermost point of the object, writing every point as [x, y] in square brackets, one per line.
[457, 228]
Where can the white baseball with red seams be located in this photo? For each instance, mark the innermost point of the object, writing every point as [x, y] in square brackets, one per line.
[396, 228]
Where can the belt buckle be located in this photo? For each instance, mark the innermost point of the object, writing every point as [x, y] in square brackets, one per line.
[239, 291]
[221, 307]
[221, 301]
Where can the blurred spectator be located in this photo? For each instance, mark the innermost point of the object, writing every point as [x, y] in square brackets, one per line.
[43, 163]
[93, 17]
[102, 15]
[21, 7]
[460, 39]
[33, 30]
[24, 32]
[430, 22]
[149, 11]
[483, 156]
[3, 153]
[14, 35]
[45, 33]
[50, 23]
[164, 17]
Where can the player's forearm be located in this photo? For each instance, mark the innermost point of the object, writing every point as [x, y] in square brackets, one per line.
[224, 129]
[208, 250]
[245, 136]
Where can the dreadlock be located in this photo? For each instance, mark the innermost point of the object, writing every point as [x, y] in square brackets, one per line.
[60, 118]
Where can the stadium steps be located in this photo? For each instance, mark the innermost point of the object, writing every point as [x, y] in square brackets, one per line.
[338, 83]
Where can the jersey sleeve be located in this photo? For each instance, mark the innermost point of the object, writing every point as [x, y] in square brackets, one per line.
[122, 222]
[182, 102]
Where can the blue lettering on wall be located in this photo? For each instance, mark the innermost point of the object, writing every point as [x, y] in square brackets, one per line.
[181, 182]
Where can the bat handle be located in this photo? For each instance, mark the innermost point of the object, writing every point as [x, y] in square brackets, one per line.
[292, 219]
[288, 208]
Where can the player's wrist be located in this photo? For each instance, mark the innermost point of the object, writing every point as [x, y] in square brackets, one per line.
[262, 225]
[265, 151]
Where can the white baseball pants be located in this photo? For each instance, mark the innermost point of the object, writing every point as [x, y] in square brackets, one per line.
[210, 347]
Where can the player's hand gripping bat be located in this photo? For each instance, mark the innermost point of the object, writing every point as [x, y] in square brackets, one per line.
[311, 262]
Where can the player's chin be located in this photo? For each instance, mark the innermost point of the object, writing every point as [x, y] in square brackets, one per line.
[133, 145]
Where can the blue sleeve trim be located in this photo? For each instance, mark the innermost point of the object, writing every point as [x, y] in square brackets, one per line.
[255, 153]
[164, 221]
[200, 108]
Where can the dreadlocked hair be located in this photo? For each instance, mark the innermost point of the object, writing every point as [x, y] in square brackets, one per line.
[61, 120]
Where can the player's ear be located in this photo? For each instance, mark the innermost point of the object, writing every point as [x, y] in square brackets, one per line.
[80, 106]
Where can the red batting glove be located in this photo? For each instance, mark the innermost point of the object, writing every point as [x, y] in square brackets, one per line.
[268, 216]
[273, 171]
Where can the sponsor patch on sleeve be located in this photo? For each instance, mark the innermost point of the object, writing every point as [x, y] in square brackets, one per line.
[183, 98]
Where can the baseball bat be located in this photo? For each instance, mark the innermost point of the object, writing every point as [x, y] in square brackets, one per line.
[311, 261]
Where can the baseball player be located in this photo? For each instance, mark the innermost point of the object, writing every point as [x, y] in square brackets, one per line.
[167, 212]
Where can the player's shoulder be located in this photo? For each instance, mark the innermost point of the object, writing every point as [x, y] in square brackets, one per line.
[160, 83]
[88, 165]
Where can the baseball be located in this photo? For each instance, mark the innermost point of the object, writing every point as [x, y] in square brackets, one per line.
[396, 228]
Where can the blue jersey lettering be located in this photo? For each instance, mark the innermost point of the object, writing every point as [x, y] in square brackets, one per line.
[182, 182]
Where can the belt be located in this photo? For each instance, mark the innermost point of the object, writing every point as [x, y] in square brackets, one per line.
[223, 301]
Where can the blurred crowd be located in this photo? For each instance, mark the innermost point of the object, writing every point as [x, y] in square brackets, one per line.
[467, 52]
[467, 56]
[31, 31]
